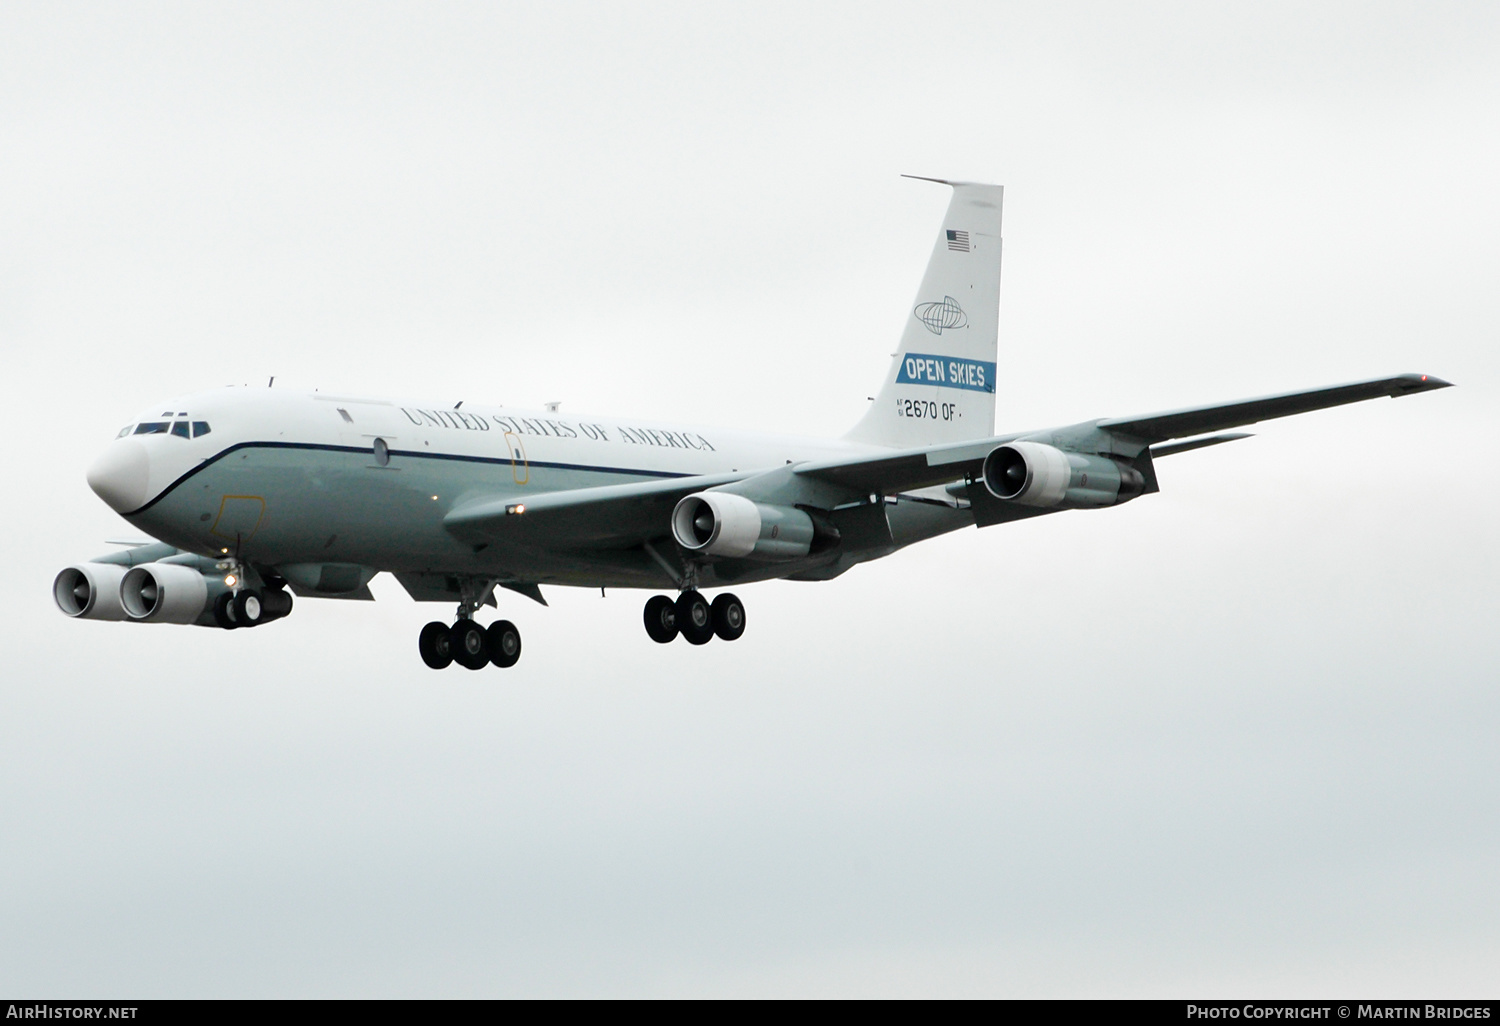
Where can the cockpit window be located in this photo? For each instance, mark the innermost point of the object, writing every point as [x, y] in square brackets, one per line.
[180, 428]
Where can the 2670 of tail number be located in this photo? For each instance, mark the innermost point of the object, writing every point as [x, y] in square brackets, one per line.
[923, 409]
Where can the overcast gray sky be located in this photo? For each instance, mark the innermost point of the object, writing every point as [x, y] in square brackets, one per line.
[1235, 738]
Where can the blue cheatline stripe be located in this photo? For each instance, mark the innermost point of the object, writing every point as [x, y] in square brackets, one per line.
[946, 372]
[399, 452]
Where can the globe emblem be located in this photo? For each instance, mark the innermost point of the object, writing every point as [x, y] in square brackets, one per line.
[937, 316]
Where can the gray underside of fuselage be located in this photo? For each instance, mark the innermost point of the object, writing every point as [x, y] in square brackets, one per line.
[274, 505]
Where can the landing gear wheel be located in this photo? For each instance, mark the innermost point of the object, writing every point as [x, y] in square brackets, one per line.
[661, 619]
[224, 611]
[469, 648]
[436, 645]
[504, 643]
[695, 618]
[728, 617]
[248, 611]
[275, 603]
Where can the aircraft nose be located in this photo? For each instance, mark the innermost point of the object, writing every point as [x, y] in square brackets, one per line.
[121, 475]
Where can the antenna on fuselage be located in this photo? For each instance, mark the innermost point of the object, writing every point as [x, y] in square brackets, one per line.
[272, 381]
[458, 404]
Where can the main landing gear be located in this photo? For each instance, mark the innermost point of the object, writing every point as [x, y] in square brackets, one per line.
[466, 643]
[470, 645]
[694, 617]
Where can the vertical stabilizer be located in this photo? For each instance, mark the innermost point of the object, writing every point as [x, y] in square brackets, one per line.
[941, 384]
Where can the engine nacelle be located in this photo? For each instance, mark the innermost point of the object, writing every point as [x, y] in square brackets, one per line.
[724, 524]
[164, 593]
[1034, 474]
[90, 591]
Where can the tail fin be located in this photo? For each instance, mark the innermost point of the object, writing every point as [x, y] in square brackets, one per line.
[941, 384]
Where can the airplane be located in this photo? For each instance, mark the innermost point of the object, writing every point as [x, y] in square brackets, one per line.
[257, 494]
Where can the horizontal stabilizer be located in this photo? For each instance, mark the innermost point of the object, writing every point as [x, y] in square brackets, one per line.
[1198, 420]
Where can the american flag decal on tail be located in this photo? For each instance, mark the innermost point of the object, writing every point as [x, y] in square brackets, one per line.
[957, 240]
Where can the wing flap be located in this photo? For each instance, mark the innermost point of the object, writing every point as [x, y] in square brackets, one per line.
[1158, 451]
[890, 472]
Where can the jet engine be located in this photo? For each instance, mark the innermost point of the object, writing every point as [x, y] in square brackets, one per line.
[90, 591]
[1034, 474]
[164, 593]
[724, 524]
[179, 589]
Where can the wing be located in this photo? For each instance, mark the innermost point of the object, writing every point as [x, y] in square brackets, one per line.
[1158, 427]
[890, 472]
[626, 515]
[609, 516]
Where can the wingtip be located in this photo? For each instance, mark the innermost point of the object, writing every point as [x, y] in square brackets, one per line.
[1422, 383]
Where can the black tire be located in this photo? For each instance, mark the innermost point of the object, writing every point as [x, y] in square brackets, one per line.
[436, 645]
[661, 619]
[248, 610]
[224, 611]
[504, 643]
[469, 648]
[728, 617]
[275, 603]
[695, 618]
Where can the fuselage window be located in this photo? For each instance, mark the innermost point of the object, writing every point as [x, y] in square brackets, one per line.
[200, 428]
[180, 429]
[152, 427]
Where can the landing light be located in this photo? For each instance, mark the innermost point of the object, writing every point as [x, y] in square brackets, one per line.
[230, 580]
[434, 498]
[518, 508]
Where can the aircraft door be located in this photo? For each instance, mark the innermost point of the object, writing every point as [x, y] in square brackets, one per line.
[519, 468]
[238, 519]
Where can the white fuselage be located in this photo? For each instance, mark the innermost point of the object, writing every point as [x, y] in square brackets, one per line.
[294, 477]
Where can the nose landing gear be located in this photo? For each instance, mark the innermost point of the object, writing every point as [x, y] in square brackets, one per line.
[251, 607]
[694, 618]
